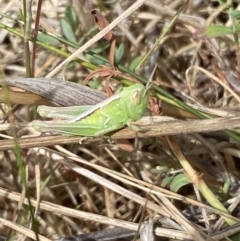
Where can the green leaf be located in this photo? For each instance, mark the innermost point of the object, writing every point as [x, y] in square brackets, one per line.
[21, 15]
[221, 2]
[71, 17]
[99, 49]
[94, 60]
[167, 180]
[235, 237]
[119, 53]
[94, 84]
[135, 63]
[226, 186]
[179, 181]
[45, 38]
[238, 28]
[235, 14]
[67, 30]
[217, 31]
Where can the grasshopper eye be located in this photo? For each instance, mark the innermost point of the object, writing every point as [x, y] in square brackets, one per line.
[136, 97]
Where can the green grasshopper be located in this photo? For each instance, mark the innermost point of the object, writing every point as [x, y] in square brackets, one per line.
[93, 121]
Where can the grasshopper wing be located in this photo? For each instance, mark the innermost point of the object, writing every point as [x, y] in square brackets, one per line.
[62, 112]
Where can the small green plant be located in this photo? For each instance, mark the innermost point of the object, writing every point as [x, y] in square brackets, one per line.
[69, 25]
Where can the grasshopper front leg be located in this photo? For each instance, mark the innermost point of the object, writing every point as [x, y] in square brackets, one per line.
[138, 128]
[86, 130]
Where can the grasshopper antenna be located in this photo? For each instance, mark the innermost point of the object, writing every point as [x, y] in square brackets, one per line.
[149, 82]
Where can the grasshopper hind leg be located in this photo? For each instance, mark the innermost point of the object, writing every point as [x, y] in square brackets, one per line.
[107, 130]
[101, 133]
[108, 138]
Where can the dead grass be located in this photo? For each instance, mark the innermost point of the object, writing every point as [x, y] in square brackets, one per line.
[182, 174]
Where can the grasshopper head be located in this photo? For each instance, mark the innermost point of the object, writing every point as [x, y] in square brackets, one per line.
[136, 100]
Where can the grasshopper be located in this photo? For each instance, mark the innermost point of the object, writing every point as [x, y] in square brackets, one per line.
[93, 121]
